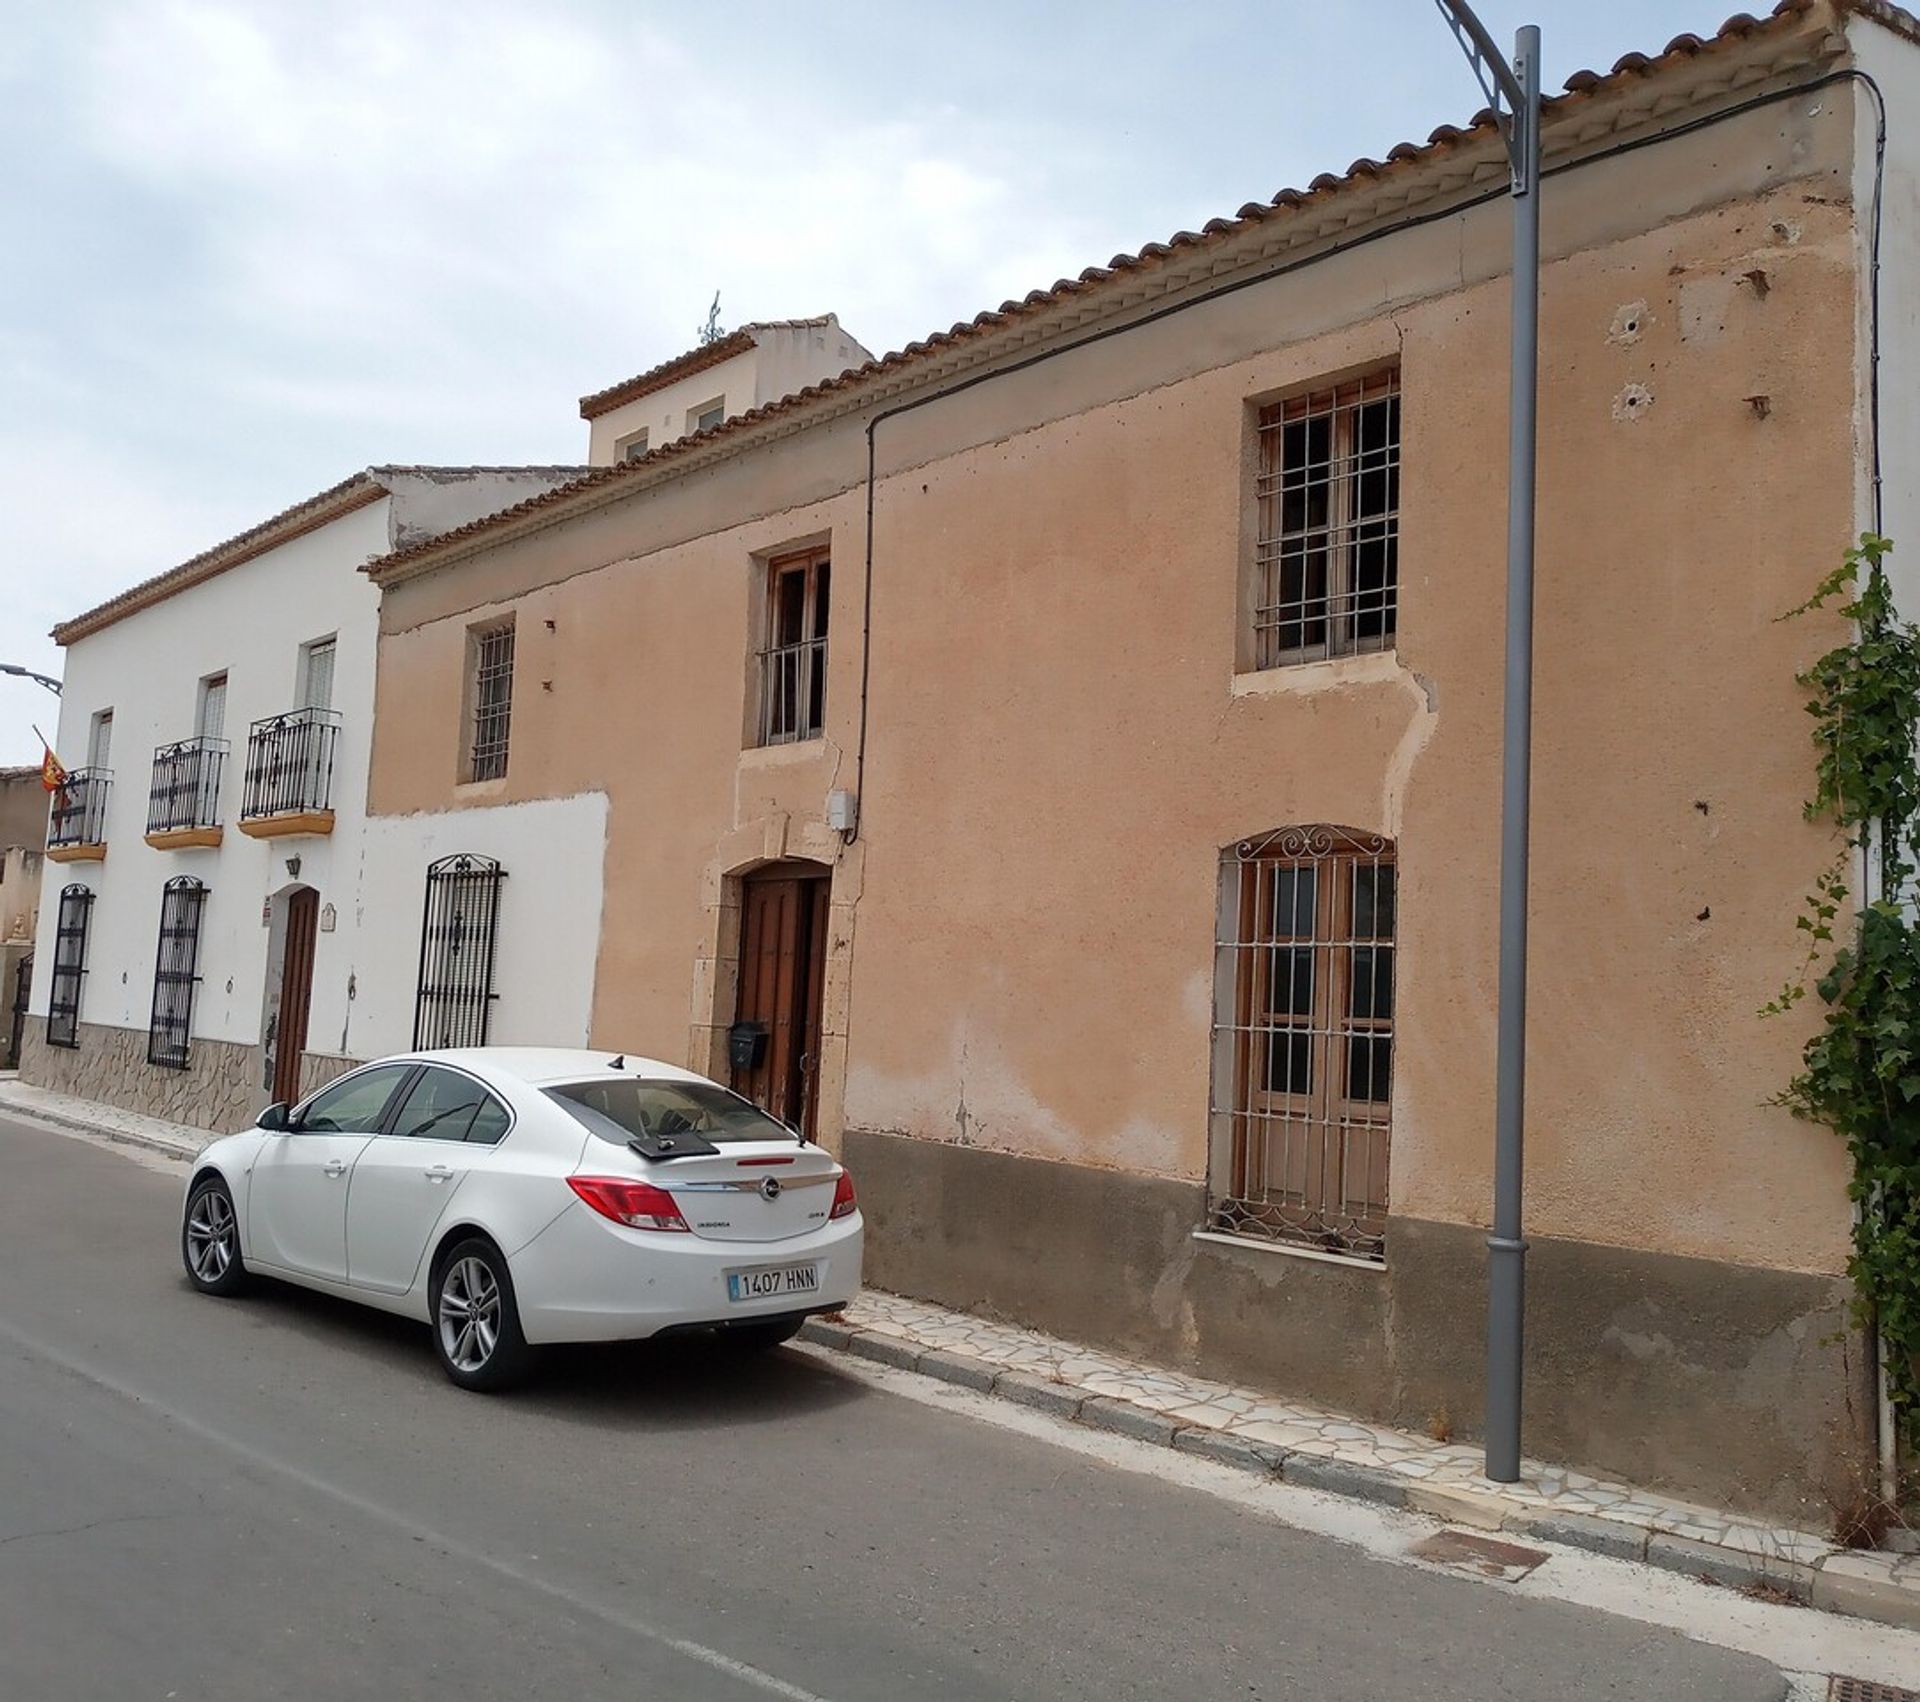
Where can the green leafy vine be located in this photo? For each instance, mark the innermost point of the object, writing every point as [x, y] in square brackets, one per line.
[1860, 1075]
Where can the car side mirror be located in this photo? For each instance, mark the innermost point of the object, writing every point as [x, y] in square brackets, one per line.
[275, 1119]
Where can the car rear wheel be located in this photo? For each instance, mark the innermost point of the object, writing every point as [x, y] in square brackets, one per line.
[476, 1323]
[758, 1338]
[210, 1240]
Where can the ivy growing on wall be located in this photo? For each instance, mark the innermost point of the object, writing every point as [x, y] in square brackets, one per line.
[1860, 1074]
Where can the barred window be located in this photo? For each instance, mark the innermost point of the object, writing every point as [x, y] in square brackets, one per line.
[1327, 567]
[69, 966]
[176, 972]
[453, 1001]
[793, 664]
[1303, 1039]
[492, 698]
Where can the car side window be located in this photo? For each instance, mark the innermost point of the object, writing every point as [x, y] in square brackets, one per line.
[489, 1123]
[354, 1106]
[443, 1106]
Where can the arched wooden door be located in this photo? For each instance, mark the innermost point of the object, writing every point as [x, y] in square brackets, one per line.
[783, 963]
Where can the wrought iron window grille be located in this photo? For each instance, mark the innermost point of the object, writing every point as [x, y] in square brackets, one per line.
[176, 972]
[1303, 1039]
[1327, 555]
[459, 936]
[69, 966]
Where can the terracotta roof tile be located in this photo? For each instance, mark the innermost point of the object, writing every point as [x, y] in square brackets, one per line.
[315, 511]
[1580, 86]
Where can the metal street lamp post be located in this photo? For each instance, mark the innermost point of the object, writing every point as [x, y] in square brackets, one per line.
[46, 680]
[1513, 91]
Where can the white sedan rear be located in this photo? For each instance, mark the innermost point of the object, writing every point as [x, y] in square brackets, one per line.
[516, 1197]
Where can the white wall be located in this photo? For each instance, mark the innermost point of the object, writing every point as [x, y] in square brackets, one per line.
[250, 622]
[792, 357]
[549, 940]
[785, 359]
[664, 412]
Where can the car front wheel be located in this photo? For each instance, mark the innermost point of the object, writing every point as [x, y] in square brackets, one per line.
[476, 1324]
[210, 1240]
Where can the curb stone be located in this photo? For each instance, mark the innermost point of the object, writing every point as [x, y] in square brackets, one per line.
[1596, 1536]
[884, 1350]
[1342, 1477]
[1056, 1398]
[1126, 1419]
[960, 1368]
[1260, 1457]
[825, 1332]
[1729, 1566]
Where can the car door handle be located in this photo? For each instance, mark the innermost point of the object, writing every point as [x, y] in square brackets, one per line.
[437, 1173]
[334, 1167]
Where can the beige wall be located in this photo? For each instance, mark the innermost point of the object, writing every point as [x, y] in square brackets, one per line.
[1059, 747]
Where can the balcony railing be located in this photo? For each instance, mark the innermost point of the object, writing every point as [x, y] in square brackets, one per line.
[290, 765]
[79, 815]
[793, 691]
[185, 794]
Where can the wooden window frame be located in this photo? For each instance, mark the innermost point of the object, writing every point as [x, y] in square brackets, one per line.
[793, 667]
[1327, 612]
[1304, 1161]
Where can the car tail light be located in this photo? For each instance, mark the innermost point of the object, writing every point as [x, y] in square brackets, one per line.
[639, 1205]
[843, 1200]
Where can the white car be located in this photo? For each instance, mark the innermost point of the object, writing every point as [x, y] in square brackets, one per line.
[516, 1197]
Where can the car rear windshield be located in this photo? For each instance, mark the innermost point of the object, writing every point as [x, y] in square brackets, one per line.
[617, 1111]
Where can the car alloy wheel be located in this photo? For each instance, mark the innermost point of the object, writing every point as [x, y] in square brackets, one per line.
[476, 1324]
[210, 1240]
[469, 1315]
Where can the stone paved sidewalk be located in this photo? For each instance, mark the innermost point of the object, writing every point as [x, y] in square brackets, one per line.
[1326, 1450]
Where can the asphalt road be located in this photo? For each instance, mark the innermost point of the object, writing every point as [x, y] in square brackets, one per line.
[281, 1497]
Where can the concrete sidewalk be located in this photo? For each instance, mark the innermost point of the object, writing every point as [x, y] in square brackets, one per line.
[1266, 1436]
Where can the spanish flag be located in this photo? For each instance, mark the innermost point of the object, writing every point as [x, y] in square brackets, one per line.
[52, 775]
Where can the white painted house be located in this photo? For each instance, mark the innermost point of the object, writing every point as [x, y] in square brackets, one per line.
[733, 374]
[220, 926]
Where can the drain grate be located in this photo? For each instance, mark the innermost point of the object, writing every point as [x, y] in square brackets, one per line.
[1865, 1690]
[1502, 1560]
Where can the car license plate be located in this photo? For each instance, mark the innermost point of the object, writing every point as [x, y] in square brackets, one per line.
[770, 1282]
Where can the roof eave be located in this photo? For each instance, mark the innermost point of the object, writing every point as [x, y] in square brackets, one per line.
[350, 495]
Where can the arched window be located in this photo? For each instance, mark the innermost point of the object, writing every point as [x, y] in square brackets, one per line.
[1303, 1039]
[176, 972]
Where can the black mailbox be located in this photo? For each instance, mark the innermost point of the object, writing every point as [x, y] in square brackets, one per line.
[747, 1045]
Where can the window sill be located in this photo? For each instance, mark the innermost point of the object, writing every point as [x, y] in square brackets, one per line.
[787, 750]
[1293, 679]
[475, 791]
[1289, 1251]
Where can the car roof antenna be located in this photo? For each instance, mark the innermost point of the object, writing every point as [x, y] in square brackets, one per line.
[619, 1063]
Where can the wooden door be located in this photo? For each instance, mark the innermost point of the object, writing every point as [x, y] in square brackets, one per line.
[783, 958]
[296, 990]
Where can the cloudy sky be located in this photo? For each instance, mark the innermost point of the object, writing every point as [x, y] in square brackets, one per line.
[253, 245]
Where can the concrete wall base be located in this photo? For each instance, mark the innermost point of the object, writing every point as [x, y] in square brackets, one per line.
[1729, 1384]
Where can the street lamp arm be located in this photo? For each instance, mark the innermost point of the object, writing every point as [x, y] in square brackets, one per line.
[1504, 93]
[46, 680]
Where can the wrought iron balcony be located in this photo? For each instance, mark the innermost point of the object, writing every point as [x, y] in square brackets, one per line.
[77, 824]
[289, 783]
[183, 801]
